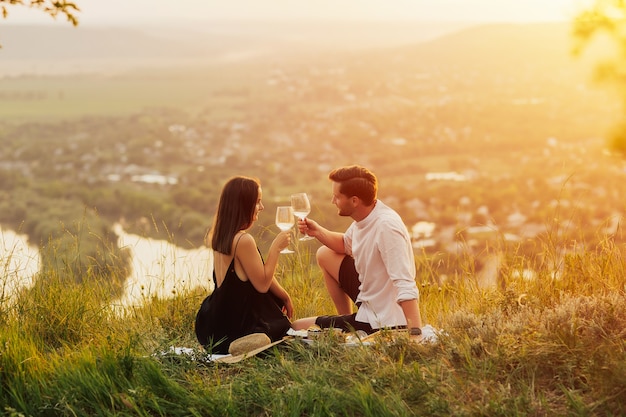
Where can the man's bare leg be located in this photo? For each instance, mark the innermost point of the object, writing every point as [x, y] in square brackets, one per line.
[329, 262]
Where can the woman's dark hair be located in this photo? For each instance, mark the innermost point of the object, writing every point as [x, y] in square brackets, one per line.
[356, 181]
[235, 212]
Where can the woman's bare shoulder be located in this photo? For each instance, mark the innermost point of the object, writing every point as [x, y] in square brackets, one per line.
[246, 242]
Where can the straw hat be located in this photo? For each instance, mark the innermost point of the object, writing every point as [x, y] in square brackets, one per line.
[247, 346]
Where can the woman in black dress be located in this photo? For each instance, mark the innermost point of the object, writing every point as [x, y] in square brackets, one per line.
[246, 298]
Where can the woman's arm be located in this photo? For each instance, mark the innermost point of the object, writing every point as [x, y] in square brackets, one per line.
[260, 275]
[283, 295]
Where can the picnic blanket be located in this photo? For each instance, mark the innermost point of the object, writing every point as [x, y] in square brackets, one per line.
[429, 335]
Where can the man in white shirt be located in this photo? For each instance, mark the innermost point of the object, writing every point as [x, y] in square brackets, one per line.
[371, 264]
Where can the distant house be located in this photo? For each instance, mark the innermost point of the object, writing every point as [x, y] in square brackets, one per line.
[421, 235]
[445, 176]
[154, 179]
[481, 231]
[516, 219]
[424, 243]
[423, 230]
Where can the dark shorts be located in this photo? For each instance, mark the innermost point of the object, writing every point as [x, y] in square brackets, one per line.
[349, 278]
[349, 282]
[346, 323]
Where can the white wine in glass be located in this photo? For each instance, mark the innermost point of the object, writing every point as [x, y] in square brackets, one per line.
[284, 221]
[301, 208]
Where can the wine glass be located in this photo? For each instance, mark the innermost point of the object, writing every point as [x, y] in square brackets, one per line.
[284, 221]
[301, 208]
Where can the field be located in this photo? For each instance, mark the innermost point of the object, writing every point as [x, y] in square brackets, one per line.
[45, 98]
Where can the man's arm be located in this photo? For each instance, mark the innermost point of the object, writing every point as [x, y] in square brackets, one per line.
[412, 314]
[398, 258]
[332, 240]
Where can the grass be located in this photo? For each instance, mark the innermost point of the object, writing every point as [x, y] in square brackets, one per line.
[548, 346]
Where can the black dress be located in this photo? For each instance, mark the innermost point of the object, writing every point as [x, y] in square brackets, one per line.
[236, 309]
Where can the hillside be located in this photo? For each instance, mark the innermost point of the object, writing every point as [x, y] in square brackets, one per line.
[125, 47]
[49, 50]
[503, 42]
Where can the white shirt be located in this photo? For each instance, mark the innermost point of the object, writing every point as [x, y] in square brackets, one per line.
[383, 255]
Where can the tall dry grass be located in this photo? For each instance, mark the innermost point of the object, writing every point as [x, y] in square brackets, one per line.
[550, 345]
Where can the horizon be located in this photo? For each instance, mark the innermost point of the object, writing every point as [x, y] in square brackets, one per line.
[143, 12]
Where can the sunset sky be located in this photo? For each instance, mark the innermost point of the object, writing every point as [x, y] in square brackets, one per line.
[141, 11]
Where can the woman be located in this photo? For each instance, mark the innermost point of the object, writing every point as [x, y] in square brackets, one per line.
[246, 298]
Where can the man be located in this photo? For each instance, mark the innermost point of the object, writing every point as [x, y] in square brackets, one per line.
[371, 264]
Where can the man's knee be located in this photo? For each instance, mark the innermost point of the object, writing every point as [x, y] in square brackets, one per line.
[322, 254]
[329, 260]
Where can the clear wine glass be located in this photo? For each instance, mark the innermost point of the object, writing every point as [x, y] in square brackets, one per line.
[301, 208]
[284, 221]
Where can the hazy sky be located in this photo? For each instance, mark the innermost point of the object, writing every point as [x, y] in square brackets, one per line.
[112, 11]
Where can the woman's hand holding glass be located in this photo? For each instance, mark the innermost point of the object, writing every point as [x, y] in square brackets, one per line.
[281, 241]
[284, 221]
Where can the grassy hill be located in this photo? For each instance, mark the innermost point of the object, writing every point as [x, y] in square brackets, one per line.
[551, 346]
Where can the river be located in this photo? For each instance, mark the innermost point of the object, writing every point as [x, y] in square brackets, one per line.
[162, 269]
[159, 268]
[19, 263]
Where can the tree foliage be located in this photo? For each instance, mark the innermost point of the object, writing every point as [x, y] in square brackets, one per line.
[53, 8]
[608, 18]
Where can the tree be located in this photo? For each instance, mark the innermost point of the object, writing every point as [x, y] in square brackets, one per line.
[607, 17]
[52, 7]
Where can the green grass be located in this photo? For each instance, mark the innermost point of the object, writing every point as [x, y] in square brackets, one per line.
[549, 346]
